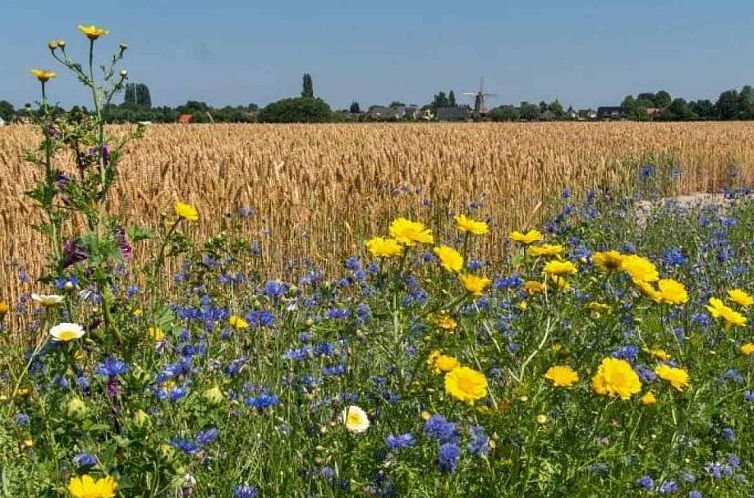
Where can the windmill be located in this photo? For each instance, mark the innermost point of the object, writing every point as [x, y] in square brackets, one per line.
[479, 106]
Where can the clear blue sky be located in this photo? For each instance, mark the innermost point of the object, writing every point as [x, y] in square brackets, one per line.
[585, 52]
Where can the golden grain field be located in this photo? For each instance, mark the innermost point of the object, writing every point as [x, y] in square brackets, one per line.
[317, 190]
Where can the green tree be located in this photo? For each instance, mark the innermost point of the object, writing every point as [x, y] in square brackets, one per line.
[440, 100]
[296, 110]
[727, 105]
[6, 110]
[530, 112]
[662, 99]
[307, 89]
[680, 110]
[452, 99]
[396, 103]
[355, 109]
[746, 102]
[556, 108]
[629, 105]
[505, 113]
[703, 108]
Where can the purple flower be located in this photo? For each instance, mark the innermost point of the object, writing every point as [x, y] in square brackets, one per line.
[112, 367]
[448, 457]
[438, 427]
[245, 491]
[401, 441]
[646, 482]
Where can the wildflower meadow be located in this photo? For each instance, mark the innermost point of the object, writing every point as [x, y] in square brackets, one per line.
[604, 354]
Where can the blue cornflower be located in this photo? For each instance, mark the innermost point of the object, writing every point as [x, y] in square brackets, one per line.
[262, 402]
[646, 171]
[729, 434]
[352, 263]
[438, 427]
[207, 436]
[673, 257]
[337, 314]
[275, 289]
[22, 419]
[448, 457]
[112, 367]
[401, 441]
[668, 487]
[695, 494]
[646, 374]
[84, 460]
[646, 482]
[260, 318]
[628, 353]
[479, 444]
[185, 445]
[245, 491]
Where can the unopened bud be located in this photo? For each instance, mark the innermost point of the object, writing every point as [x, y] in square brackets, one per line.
[123, 73]
[214, 396]
[53, 45]
[61, 43]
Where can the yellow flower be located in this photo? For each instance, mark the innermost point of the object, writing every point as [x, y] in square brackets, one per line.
[43, 75]
[214, 395]
[616, 378]
[3, 309]
[541, 419]
[186, 211]
[677, 377]
[597, 306]
[562, 376]
[466, 384]
[740, 297]
[747, 349]
[526, 238]
[86, 487]
[647, 289]
[562, 283]
[559, 268]
[607, 261]
[546, 250]
[475, 285]
[718, 310]
[155, 333]
[238, 322]
[659, 354]
[443, 321]
[648, 399]
[471, 226]
[450, 259]
[533, 287]
[93, 32]
[64, 332]
[410, 233]
[442, 363]
[382, 247]
[672, 291]
[640, 269]
[355, 419]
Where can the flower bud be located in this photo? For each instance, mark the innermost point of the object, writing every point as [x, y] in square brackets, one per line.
[123, 47]
[53, 45]
[541, 419]
[76, 408]
[123, 73]
[214, 396]
[61, 43]
[142, 419]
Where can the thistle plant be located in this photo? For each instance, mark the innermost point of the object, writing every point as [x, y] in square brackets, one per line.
[71, 194]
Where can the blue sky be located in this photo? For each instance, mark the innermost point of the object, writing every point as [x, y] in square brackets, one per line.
[584, 52]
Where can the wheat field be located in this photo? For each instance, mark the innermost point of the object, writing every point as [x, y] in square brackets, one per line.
[317, 190]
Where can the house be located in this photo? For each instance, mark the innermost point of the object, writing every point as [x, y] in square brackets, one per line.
[185, 118]
[654, 112]
[462, 113]
[609, 112]
[384, 113]
[586, 114]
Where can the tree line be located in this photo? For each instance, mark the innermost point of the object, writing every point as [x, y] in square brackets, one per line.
[307, 108]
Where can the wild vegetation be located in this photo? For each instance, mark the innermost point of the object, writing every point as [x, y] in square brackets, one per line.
[146, 354]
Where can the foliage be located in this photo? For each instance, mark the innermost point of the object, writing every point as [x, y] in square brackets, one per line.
[296, 110]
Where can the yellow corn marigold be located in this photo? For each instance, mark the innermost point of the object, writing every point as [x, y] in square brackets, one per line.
[730, 316]
[616, 378]
[450, 259]
[469, 225]
[93, 32]
[410, 233]
[607, 261]
[527, 238]
[649, 399]
[186, 211]
[466, 384]
[43, 75]
[559, 268]
[86, 487]
[678, 377]
[562, 376]
[383, 247]
[474, 284]
[747, 349]
[640, 269]
[740, 297]
[545, 250]
[672, 291]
